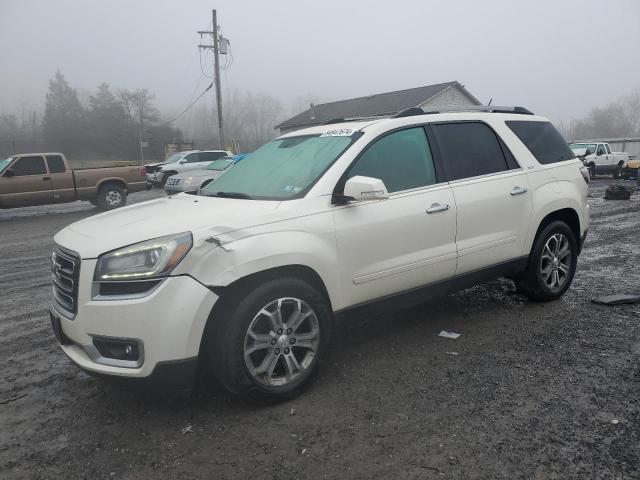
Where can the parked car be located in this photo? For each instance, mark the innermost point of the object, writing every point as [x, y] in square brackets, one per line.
[599, 158]
[41, 178]
[330, 221]
[189, 161]
[151, 168]
[194, 180]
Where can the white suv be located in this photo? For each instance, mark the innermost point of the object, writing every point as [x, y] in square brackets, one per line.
[184, 162]
[349, 218]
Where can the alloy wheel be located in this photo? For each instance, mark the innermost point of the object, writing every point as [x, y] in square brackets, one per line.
[555, 262]
[281, 342]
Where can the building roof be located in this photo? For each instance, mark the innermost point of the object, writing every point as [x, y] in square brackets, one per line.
[370, 106]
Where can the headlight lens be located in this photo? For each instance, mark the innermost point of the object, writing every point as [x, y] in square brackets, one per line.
[147, 260]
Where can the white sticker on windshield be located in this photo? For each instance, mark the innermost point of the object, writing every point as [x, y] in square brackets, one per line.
[338, 132]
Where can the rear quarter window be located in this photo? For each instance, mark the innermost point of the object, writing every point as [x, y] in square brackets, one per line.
[543, 141]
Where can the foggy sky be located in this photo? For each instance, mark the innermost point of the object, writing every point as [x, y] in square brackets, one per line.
[559, 58]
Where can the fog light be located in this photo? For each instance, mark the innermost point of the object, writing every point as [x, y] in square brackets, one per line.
[117, 348]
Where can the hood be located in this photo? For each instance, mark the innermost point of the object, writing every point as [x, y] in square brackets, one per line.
[197, 174]
[101, 233]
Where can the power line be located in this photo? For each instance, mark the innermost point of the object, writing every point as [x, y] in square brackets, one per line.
[190, 105]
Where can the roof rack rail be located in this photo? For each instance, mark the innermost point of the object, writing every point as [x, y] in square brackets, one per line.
[334, 120]
[472, 108]
[354, 119]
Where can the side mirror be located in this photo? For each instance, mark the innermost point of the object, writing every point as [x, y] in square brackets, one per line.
[9, 173]
[365, 188]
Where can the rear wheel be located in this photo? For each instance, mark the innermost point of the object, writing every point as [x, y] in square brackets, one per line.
[111, 196]
[271, 341]
[552, 264]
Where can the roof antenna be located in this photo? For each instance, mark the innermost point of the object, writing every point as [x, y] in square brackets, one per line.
[489, 102]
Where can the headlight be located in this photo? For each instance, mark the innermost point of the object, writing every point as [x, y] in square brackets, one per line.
[148, 260]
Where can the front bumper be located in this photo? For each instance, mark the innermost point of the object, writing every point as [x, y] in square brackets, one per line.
[168, 325]
[155, 178]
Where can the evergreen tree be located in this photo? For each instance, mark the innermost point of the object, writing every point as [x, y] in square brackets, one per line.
[63, 124]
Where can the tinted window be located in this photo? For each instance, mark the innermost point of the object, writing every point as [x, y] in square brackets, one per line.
[607, 147]
[469, 149]
[56, 164]
[192, 157]
[402, 160]
[29, 166]
[543, 141]
[601, 150]
[211, 156]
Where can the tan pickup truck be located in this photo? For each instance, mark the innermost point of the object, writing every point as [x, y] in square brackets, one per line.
[41, 178]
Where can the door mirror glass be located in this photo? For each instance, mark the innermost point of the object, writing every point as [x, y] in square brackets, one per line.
[9, 173]
[365, 188]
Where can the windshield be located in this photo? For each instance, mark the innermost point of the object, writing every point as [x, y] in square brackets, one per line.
[174, 158]
[5, 163]
[281, 169]
[583, 148]
[220, 164]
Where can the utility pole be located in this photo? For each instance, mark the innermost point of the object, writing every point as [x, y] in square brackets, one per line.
[216, 73]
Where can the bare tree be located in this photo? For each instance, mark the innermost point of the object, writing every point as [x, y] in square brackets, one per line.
[621, 118]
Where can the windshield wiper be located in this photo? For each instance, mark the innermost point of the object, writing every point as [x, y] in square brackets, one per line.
[231, 195]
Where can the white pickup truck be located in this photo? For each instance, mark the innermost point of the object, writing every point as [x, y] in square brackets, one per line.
[599, 159]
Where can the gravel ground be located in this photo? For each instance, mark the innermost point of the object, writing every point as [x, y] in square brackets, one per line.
[527, 391]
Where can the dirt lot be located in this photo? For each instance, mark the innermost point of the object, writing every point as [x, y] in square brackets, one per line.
[528, 390]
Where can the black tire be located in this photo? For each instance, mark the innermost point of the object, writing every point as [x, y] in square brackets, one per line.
[111, 196]
[617, 173]
[227, 340]
[592, 170]
[531, 282]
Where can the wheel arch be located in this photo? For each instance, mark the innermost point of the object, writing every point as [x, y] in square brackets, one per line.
[567, 215]
[303, 272]
[111, 181]
[230, 293]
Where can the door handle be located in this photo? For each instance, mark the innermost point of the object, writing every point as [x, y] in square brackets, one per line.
[44, 179]
[518, 191]
[436, 207]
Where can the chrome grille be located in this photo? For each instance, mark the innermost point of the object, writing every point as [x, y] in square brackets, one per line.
[172, 182]
[65, 272]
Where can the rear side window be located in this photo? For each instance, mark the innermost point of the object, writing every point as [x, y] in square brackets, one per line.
[29, 166]
[606, 145]
[56, 164]
[543, 141]
[469, 149]
[211, 156]
[402, 160]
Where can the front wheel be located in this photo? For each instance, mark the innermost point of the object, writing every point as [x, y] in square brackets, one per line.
[552, 264]
[271, 341]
